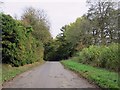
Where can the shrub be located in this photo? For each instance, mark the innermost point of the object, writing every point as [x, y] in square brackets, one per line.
[18, 45]
[101, 56]
[109, 57]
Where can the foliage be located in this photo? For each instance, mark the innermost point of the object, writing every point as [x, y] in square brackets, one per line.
[73, 37]
[50, 50]
[39, 21]
[101, 56]
[98, 27]
[19, 47]
[59, 48]
[103, 15]
[78, 33]
[37, 18]
[102, 77]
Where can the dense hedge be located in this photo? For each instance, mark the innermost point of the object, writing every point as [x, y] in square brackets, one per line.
[101, 56]
[18, 45]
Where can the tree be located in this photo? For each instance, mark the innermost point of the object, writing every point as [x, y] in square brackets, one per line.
[103, 16]
[19, 47]
[38, 20]
[79, 33]
[59, 48]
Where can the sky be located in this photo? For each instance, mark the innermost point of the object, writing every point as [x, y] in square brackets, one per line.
[60, 12]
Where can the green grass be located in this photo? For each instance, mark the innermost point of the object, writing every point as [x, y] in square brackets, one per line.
[9, 72]
[103, 78]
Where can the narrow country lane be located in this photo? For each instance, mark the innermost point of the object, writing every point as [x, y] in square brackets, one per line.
[49, 75]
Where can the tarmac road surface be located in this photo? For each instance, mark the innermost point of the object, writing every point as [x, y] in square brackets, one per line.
[48, 75]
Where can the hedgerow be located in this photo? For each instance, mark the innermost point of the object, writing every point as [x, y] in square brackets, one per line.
[101, 56]
[19, 47]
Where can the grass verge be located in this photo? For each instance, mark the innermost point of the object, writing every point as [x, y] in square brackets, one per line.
[103, 78]
[9, 72]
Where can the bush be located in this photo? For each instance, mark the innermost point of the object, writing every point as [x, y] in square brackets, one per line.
[109, 56]
[18, 45]
[101, 56]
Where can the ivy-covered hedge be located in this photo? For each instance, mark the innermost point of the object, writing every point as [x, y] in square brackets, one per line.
[18, 45]
[101, 56]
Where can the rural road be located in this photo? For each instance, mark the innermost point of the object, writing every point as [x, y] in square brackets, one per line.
[48, 75]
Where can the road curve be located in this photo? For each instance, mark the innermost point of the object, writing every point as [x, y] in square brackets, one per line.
[48, 75]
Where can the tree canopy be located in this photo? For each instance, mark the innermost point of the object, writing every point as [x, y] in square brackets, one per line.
[98, 27]
[39, 21]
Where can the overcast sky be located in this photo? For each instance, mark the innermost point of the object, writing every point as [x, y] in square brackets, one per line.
[60, 12]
